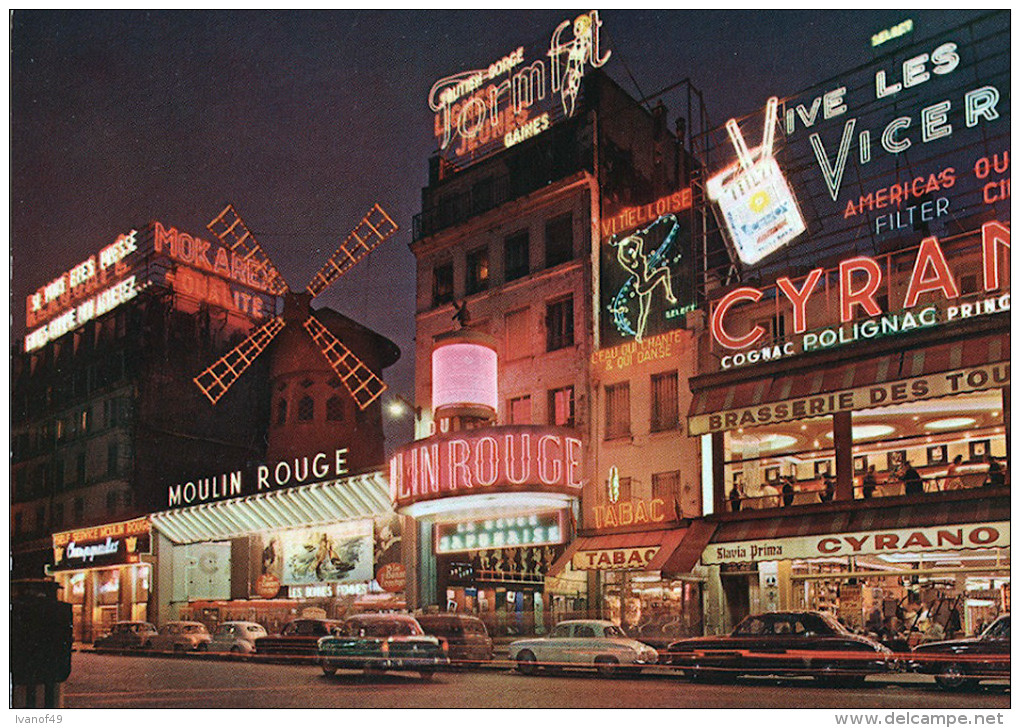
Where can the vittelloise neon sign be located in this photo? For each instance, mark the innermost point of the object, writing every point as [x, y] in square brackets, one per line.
[860, 279]
[493, 102]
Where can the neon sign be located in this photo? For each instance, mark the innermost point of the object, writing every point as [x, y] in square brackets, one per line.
[645, 287]
[487, 460]
[496, 105]
[757, 206]
[633, 512]
[536, 529]
[100, 545]
[860, 278]
[884, 36]
[100, 304]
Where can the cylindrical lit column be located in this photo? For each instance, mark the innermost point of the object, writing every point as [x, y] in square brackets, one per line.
[464, 381]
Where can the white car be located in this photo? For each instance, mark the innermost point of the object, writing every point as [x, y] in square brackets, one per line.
[236, 637]
[583, 643]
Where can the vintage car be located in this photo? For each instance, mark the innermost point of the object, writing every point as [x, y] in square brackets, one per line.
[583, 643]
[961, 663]
[181, 636]
[783, 643]
[299, 637]
[127, 636]
[466, 637]
[236, 637]
[380, 642]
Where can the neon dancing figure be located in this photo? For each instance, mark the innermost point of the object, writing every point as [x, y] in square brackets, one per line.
[584, 48]
[647, 272]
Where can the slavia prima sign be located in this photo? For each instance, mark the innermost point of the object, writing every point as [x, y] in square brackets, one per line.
[903, 540]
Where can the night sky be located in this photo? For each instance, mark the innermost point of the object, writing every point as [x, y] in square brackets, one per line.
[303, 120]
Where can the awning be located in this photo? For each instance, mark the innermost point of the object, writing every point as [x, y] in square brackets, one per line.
[665, 550]
[346, 499]
[973, 510]
[857, 375]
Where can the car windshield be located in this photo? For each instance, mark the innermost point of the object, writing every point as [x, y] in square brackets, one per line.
[613, 631]
[193, 629]
[382, 628]
[999, 629]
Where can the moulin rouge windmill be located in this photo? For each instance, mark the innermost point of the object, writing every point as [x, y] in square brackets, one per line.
[362, 383]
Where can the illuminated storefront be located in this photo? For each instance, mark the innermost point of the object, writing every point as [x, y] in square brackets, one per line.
[105, 573]
[324, 548]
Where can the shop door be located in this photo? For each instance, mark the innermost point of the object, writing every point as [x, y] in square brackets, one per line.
[737, 590]
[108, 616]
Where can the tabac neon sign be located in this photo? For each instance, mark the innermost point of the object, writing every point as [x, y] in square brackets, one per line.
[495, 104]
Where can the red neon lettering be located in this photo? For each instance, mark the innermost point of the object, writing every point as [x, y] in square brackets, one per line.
[545, 460]
[732, 342]
[865, 296]
[486, 463]
[828, 545]
[460, 474]
[165, 238]
[799, 298]
[524, 460]
[658, 509]
[930, 254]
[429, 469]
[573, 463]
[626, 513]
[992, 233]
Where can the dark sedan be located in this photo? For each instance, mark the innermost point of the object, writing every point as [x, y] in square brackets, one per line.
[300, 637]
[962, 663]
[127, 636]
[810, 644]
[380, 642]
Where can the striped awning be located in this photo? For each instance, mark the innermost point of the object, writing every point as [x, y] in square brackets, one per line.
[866, 372]
[346, 499]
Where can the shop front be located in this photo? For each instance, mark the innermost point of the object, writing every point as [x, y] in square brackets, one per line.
[323, 550]
[105, 573]
[916, 572]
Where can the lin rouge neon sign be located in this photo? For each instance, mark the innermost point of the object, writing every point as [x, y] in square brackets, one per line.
[860, 279]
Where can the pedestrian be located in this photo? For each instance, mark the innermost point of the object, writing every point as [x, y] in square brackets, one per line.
[912, 483]
[788, 492]
[996, 476]
[953, 480]
[870, 483]
[830, 490]
[734, 498]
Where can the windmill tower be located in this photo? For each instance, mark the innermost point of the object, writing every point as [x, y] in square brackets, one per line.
[321, 391]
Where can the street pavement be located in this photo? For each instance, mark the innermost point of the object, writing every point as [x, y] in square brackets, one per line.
[125, 681]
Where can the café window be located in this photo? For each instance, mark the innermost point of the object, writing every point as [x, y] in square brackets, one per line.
[442, 283]
[559, 240]
[520, 410]
[477, 271]
[665, 402]
[561, 407]
[617, 410]
[516, 252]
[518, 335]
[559, 324]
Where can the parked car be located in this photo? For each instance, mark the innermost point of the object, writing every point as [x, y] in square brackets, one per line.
[379, 642]
[180, 636]
[299, 637]
[236, 637]
[466, 637]
[961, 663]
[783, 643]
[583, 643]
[127, 636]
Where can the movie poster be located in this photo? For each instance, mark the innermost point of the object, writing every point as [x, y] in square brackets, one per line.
[339, 553]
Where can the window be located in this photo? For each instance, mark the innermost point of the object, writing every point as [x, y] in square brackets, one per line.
[58, 515]
[520, 410]
[559, 240]
[666, 486]
[584, 631]
[518, 335]
[111, 501]
[58, 474]
[442, 284]
[665, 402]
[334, 409]
[477, 271]
[561, 630]
[561, 407]
[516, 255]
[482, 197]
[40, 518]
[80, 469]
[305, 409]
[559, 324]
[281, 411]
[79, 510]
[617, 410]
[112, 455]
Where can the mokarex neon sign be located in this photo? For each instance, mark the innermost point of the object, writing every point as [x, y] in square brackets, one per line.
[859, 281]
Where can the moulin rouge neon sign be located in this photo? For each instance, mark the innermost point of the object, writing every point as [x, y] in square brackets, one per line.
[479, 106]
